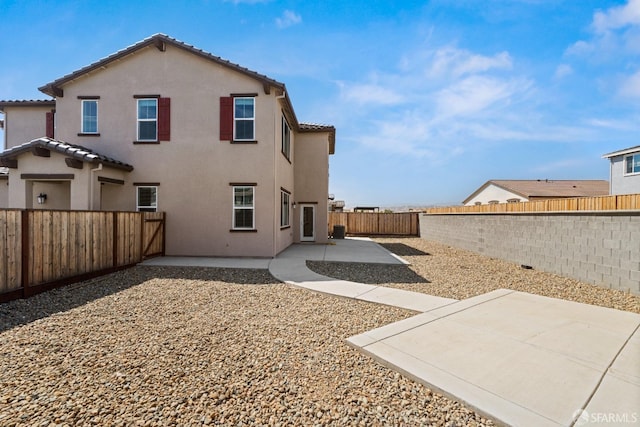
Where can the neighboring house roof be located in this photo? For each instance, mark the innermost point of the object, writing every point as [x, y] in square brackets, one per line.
[315, 127]
[622, 152]
[28, 103]
[548, 188]
[70, 150]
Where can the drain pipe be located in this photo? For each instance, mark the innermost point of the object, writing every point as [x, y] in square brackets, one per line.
[91, 182]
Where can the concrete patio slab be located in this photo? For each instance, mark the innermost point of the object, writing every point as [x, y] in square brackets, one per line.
[518, 358]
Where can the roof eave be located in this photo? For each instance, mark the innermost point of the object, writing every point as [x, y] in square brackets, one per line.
[622, 152]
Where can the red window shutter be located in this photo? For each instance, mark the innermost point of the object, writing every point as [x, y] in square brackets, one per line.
[50, 125]
[226, 118]
[164, 119]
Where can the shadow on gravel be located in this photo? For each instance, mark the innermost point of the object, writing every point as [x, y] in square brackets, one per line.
[24, 311]
[401, 249]
[369, 273]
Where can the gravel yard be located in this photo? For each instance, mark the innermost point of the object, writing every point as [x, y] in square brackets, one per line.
[444, 271]
[176, 346]
[197, 346]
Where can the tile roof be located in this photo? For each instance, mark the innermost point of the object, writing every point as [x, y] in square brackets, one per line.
[69, 150]
[315, 127]
[27, 103]
[556, 188]
[158, 40]
[547, 188]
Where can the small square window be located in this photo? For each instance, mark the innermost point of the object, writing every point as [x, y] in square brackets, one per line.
[147, 199]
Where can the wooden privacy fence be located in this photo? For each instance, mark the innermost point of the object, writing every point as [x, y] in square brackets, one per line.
[601, 203]
[43, 249]
[376, 223]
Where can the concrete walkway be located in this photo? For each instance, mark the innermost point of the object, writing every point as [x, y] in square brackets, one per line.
[517, 358]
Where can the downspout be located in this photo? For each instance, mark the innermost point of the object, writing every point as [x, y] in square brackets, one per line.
[91, 180]
[276, 203]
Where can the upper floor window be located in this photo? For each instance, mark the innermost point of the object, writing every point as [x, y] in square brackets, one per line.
[632, 164]
[244, 119]
[147, 198]
[89, 116]
[148, 119]
[286, 138]
[243, 207]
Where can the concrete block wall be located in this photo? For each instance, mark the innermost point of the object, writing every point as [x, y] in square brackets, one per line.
[601, 248]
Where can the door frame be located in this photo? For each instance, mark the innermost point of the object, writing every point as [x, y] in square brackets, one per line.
[311, 238]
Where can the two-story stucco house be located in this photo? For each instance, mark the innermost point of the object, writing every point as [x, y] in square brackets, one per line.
[161, 125]
[624, 170]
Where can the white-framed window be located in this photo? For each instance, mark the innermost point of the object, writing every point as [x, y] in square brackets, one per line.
[243, 207]
[632, 164]
[89, 116]
[285, 209]
[286, 138]
[147, 119]
[244, 119]
[147, 198]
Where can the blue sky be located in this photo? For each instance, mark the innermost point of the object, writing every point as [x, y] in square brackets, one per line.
[430, 99]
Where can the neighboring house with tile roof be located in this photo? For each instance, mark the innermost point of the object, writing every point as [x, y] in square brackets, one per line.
[624, 170]
[161, 125]
[514, 190]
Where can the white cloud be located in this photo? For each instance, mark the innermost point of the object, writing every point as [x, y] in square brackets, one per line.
[371, 94]
[437, 102]
[563, 70]
[616, 32]
[476, 94]
[288, 19]
[617, 17]
[630, 87]
[458, 62]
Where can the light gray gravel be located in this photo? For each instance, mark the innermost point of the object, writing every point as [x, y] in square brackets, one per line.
[195, 346]
[444, 271]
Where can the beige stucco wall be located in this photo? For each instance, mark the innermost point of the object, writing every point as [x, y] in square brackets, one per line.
[195, 169]
[75, 193]
[312, 180]
[22, 124]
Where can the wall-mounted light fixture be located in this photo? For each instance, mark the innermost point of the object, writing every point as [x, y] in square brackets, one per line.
[294, 205]
[42, 198]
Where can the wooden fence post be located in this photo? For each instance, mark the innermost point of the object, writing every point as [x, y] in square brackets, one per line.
[115, 239]
[25, 252]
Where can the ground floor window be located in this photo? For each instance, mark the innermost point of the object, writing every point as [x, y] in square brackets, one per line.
[243, 208]
[147, 199]
[284, 209]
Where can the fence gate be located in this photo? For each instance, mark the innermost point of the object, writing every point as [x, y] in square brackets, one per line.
[153, 234]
